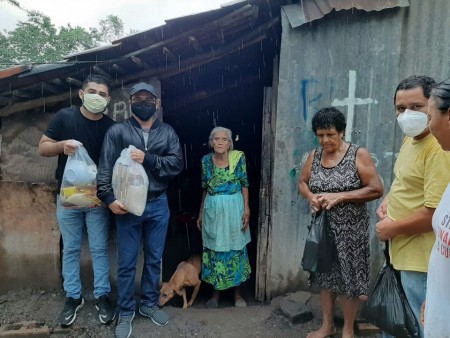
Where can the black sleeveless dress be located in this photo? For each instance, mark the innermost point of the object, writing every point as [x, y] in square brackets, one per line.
[349, 223]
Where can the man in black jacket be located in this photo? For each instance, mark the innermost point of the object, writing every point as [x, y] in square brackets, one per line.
[159, 151]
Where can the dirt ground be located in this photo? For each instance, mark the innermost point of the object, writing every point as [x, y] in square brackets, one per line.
[256, 320]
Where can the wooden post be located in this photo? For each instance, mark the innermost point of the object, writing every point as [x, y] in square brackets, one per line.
[263, 290]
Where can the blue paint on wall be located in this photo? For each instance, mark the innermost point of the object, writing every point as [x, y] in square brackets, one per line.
[304, 94]
[303, 90]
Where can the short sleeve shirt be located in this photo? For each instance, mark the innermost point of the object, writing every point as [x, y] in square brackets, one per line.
[70, 123]
[421, 175]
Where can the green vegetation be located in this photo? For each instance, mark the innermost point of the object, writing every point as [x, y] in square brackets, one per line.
[37, 40]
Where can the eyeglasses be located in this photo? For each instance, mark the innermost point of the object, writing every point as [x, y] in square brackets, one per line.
[147, 101]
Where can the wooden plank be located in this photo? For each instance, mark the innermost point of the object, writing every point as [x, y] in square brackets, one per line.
[103, 73]
[140, 63]
[193, 42]
[169, 55]
[275, 82]
[40, 102]
[75, 82]
[119, 70]
[262, 267]
[263, 289]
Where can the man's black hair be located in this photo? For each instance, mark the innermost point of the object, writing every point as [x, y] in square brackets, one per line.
[414, 81]
[96, 79]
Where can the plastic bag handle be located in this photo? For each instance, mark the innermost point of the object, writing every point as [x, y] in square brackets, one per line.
[386, 253]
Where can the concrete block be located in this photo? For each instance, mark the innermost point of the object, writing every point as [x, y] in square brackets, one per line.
[297, 313]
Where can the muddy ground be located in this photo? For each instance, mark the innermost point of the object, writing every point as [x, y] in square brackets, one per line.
[256, 320]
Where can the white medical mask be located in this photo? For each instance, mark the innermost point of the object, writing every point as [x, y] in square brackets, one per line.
[94, 103]
[412, 123]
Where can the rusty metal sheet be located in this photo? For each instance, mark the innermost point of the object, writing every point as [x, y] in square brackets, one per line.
[309, 10]
[8, 72]
[352, 60]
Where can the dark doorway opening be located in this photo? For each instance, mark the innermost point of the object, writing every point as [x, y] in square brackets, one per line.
[239, 109]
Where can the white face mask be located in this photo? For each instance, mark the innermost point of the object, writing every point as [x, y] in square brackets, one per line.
[412, 123]
[94, 103]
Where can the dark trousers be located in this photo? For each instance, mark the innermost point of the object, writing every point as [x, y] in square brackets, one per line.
[151, 229]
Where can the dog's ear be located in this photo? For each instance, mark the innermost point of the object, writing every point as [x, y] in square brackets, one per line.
[178, 291]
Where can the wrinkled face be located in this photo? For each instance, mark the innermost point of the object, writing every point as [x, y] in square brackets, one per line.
[220, 142]
[165, 294]
[439, 124]
[330, 139]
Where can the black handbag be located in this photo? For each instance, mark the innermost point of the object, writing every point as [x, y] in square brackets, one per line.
[319, 252]
[387, 306]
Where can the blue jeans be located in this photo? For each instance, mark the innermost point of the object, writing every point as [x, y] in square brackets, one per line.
[71, 223]
[152, 228]
[415, 286]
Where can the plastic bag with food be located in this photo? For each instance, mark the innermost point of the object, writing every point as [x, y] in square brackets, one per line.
[130, 182]
[79, 182]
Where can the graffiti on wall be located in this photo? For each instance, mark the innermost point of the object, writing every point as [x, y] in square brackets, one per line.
[351, 101]
[119, 111]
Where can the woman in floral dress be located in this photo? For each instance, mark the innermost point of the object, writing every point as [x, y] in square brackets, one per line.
[224, 217]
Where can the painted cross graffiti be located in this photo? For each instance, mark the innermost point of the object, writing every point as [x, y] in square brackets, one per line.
[351, 101]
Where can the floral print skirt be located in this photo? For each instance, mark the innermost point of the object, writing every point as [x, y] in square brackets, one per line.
[224, 270]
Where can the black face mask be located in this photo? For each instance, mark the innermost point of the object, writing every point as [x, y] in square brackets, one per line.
[143, 110]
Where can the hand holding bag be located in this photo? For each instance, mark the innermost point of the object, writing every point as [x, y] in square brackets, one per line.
[130, 182]
[387, 306]
[318, 254]
[79, 182]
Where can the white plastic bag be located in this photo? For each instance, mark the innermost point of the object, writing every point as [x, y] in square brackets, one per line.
[79, 182]
[130, 182]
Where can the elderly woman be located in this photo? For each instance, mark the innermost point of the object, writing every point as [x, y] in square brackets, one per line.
[224, 217]
[438, 295]
[340, 177]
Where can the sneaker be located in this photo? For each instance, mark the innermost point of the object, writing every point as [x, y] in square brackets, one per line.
[106, 313]
[123, 327]
[158, 316]
[69, 314]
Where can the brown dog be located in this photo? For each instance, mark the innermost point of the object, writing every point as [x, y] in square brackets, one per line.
[186, 274]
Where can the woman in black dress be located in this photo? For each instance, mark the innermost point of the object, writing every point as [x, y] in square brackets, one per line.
[340, 177]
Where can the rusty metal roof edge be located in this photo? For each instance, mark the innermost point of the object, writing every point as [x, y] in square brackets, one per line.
[298, 14]
[11, 71]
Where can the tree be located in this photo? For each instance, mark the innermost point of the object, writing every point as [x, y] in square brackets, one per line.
[13, 2]
[111, 28]
[37, 40]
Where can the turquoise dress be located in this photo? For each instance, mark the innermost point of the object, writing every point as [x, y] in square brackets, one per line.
[225, 260]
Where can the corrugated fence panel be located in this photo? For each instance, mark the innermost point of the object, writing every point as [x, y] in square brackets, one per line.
[352, 60]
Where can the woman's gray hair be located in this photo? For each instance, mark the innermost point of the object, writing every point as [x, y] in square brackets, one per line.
[218, 129]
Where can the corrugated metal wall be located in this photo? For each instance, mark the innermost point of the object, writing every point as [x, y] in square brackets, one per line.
[347, 56]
